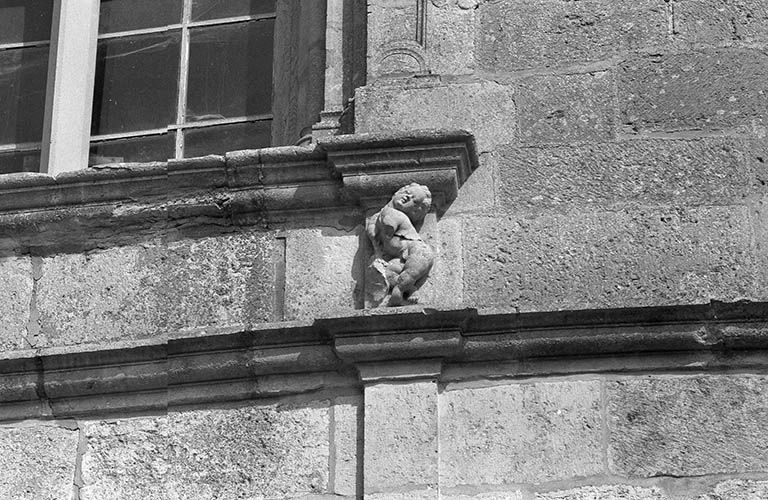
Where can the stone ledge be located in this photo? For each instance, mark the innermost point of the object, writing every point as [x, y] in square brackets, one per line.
[238, 364]
[335, 172]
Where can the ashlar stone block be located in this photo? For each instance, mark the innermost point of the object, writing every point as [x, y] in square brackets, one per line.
[272, 451]
[607, 492]
[667, 93]
[688, 426]
[37, 462]
[723, 22]
[567, 108]
[523, 34]
[486, 109]
[592, 258]
[16, 285]
[519, 433]
[401, 439]
[126, 458]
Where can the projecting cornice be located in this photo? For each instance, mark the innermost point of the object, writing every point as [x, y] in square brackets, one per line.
[336, 172]
[285, 358]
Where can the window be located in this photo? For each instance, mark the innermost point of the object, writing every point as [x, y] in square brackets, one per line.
[86, 82]
[25, 32]
[181, 78]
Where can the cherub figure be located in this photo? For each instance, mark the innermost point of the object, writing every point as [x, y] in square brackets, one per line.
[402, 258]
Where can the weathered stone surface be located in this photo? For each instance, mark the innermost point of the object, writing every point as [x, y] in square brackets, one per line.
[217, 280]
[323, 269]
[608, 492]
[444, 287]
[520, 433]
[688, 426]
[760, 223]
[479, 191]
[515, 35]
[506, 495]
[15, 296]
[725, 21]
[590, 259]
[249, 452]
[391, 22]
[673, 172]
[486, 109]
[125, 458]
[143, 291]
[566, 108]
[37, 462]
[451, 39]
[347, 416]
[400, 436]
[738, 489]
[717, 90]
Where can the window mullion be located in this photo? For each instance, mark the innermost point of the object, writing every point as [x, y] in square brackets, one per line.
[181, 109]
[69, 96]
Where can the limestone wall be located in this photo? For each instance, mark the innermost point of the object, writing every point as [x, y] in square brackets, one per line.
[622, 144]
[623, 150]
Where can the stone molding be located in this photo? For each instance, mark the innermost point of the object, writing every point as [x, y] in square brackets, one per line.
[334, 173]
[288, 358]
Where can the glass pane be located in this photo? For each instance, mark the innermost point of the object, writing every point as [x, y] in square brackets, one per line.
[135, 149]
[203, 10]
[22, 94]
[25, 20]
[230, 70]
[136, 83]
[19, 161]
[125, 15]
[222, 138]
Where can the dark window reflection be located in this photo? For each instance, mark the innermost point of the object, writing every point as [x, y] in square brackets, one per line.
[203, 10]
[135, 149]
[126, 15]
[25, 20]
[19, 161]
[230, 70]
[136, 83]
[222, 138]
[22, 94]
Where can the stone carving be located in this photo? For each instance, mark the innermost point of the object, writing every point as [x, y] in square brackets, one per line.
[401, 260]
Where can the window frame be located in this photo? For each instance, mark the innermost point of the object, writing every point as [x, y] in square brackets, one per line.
[181, 125]
[308, 87]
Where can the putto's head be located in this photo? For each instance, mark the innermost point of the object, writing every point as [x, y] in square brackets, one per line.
[414, 200]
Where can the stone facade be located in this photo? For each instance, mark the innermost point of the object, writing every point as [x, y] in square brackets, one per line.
[595, 325]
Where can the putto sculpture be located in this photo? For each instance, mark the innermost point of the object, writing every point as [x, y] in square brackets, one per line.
[402, 260]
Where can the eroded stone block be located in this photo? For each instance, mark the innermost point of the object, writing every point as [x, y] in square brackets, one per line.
[520, 433]
[347, 415]
[451, 39]
[15, 296]
[274, 451]
[515, 35]
[37, 462]
[566, 108]
[401, 438]
[608, 492]
[486, 109]
[143, 291]
[725, 21]
[324, 269]
[687, 426]
[126, 458]
[590, 258]
[668, 92]
[738, 489]
[671, 172]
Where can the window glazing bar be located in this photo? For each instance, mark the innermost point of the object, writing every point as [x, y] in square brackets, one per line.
[69, 94]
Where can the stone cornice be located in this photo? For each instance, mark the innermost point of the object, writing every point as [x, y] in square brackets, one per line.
[247, 362]
[335, 172]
